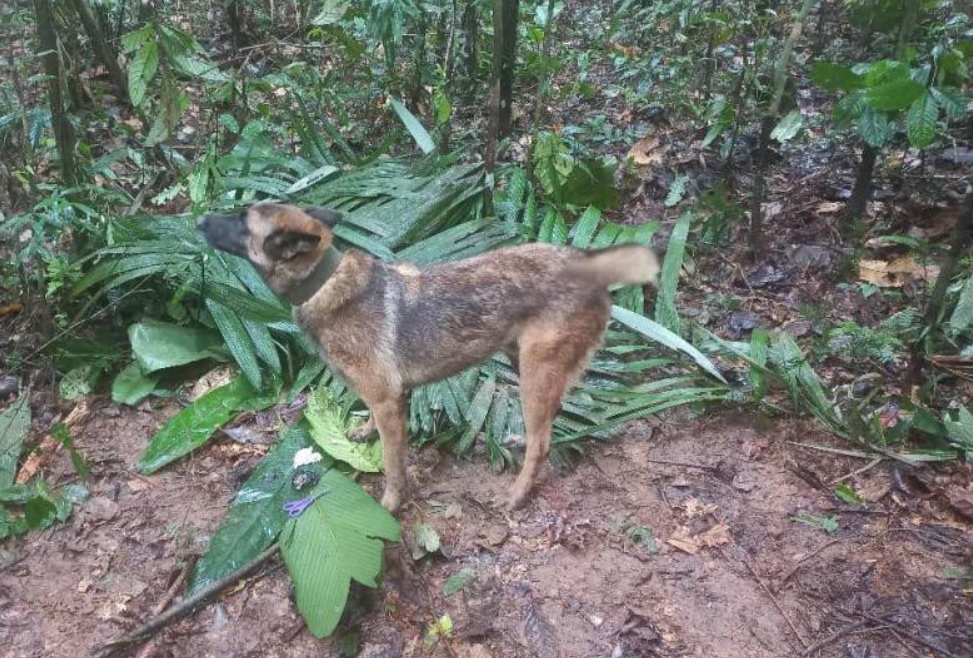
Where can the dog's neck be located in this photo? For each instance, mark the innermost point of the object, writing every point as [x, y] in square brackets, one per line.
[314, 281]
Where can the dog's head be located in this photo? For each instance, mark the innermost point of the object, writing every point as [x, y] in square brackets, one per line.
[284, 243]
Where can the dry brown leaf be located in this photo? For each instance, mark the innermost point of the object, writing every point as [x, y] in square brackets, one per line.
[828, 208]
[684, 541]
[896, 273]
[718, 535]
[50, 445]
[647, 151]
[695, 508]
[961, 500]
[628, 51]
[214, 378]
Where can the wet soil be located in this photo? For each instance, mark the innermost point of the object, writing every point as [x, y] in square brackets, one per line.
[675, 539]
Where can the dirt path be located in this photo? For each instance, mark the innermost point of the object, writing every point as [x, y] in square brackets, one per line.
[575, 574]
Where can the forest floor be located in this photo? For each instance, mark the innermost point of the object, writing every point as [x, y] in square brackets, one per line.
[676, 539]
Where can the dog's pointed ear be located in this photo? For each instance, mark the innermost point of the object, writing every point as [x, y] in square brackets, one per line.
[327, 217]
[285, 245]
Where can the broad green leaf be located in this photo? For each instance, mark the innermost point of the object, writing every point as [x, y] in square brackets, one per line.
[329, 431]
[834, 77]
[827, 523]
[157, 345]
[894, 95]
[194, 425]
[656, 332]
[14, 423]
[315, 177]
[458, 581]
[427, 540]
[78, 382]
[961, 432]
[802, 382]
[238, 341]
[886, 70]
[875, 127]
[476, 414]
[962, 315]
[141, 71]
[336, 540]
[921, 120]
[412, 124]
[591, 182]
[665, 307]
[331, 12]
[131, 385]
[256, 516]
[788, 127]
[677, 190]
[585, 229]
[847, 494]
[953, 101]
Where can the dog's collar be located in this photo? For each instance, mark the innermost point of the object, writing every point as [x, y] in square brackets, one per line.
[314, 281]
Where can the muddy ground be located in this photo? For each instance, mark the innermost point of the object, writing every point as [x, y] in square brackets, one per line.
[600, 563]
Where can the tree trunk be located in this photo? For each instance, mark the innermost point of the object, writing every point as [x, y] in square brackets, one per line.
[858, 201]
[508, 63]
[710, 59]
[959, 243]
[103, 50]
[419, 63]
[820, 39]
[234, 14]
[755, 237]
[766, 126]
[493, 117]
[63, 131]
[471, 25]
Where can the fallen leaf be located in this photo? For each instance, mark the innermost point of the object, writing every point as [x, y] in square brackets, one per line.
[628, 51]
[828, 208]
[213, 379]
[896, 273]
[718, 535]
[961, 500]
[695, 508]
[646, 151]
[49, 444]
[684, 541]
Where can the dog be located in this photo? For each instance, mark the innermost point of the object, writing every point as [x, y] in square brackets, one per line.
[387, 327]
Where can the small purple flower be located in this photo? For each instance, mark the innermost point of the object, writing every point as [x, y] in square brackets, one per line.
[295, 508]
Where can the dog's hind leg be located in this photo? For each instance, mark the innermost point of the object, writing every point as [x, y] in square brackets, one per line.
[390, 413]
[552, 357]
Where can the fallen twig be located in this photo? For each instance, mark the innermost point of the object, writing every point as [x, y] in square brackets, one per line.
[857, 471]
[834, 637]
[182, 609]
[774, 600]
[665, 462]
[174, 588]
[783, 581]
[940, 651]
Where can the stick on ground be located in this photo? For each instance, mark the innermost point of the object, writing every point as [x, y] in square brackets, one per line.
[183, 609]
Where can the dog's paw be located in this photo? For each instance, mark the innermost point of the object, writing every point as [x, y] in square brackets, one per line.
[509, 501]
[392, 500]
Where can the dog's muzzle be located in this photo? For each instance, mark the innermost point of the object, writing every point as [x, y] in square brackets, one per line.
[227, 233]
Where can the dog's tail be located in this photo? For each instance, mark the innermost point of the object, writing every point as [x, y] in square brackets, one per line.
[625, 264]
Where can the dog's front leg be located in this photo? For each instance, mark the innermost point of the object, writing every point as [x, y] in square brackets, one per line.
[390, 414]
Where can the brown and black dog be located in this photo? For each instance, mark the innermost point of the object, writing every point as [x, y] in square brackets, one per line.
[388, 327]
